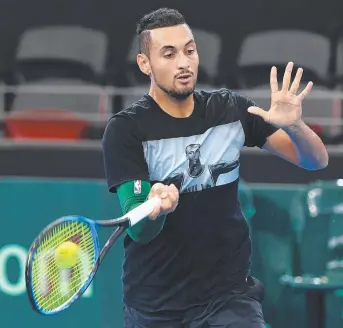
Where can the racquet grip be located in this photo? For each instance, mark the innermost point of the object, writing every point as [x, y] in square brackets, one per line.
[143, 210]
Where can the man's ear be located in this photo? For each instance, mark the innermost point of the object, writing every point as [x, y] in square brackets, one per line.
[144, 64]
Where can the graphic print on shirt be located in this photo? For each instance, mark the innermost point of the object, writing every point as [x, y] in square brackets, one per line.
[197, 162]
[195, 168]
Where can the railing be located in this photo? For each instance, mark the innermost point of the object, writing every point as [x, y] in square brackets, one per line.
[321, 107]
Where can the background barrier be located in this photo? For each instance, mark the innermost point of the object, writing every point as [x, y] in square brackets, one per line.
[29, 204]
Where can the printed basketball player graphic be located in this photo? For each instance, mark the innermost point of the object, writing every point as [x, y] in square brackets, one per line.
[197, 162]
[195, 169]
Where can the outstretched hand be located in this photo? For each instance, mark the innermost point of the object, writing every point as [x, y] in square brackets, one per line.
[285, 109]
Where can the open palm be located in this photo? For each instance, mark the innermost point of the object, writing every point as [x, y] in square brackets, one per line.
[285, 109]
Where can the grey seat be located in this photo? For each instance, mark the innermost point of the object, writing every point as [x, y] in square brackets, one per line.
[336, 63]
[75, 44]
[276, 47]
[88, 102]
[209, 47]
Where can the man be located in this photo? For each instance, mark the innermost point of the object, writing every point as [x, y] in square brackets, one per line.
[195, 168]
[188, 264]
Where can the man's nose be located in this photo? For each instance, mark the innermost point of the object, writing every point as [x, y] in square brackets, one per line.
[183, 62]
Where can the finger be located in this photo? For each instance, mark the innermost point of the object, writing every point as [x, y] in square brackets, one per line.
[174, 190]
[166, 205]
[295, 85]
[273, 80]
[173, 197]
[157, 188]
[287, 76]
[164, 194]
[154, 214]
[306, 91]
[259, 112]
[160, 190]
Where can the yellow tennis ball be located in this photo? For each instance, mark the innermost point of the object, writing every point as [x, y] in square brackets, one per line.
[66, 255]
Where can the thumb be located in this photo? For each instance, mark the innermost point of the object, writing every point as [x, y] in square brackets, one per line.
[154, 214]
[259, 112]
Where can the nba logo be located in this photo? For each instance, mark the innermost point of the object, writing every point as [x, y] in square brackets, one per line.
[137, 187]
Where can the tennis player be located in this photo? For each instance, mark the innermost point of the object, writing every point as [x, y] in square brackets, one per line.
[188, 265]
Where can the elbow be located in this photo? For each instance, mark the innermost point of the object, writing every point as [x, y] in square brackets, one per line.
[324, 163]
[317, 165]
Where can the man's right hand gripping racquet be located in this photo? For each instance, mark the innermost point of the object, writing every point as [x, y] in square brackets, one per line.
[52, 288]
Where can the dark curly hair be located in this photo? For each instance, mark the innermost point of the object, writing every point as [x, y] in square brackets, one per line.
[163, 17]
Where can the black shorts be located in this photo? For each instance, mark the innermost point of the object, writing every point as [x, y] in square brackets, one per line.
[240, 309]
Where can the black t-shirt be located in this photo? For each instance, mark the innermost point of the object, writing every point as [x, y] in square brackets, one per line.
[204, 248]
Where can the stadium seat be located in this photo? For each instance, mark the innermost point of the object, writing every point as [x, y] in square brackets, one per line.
[61, 51]
[209, 47]
[336, 62]
[260, 50]
[44, 124]
[317, 220]
[38, 96]
[64, 56]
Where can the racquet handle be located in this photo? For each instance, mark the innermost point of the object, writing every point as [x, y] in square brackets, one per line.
[143, 210]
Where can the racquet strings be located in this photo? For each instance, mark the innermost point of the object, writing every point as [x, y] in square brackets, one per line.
[51, 285]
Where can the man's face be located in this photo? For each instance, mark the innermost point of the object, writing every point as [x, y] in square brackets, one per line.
[174, 60]
[194, 155]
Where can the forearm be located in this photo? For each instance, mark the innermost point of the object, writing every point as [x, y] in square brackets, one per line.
[146, 230]
[310, 149]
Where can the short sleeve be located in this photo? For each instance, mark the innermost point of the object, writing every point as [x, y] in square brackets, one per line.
[123, 153]
[255, 128]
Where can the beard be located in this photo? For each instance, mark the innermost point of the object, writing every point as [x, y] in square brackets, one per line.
[175, 93]
[179, 95]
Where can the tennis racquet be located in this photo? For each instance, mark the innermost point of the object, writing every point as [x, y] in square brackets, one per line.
[52, 289]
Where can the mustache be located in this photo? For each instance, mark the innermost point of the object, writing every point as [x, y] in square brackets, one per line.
[184, 73]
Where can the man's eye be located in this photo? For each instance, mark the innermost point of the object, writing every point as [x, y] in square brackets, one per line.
[168, 55]
[190, 51]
